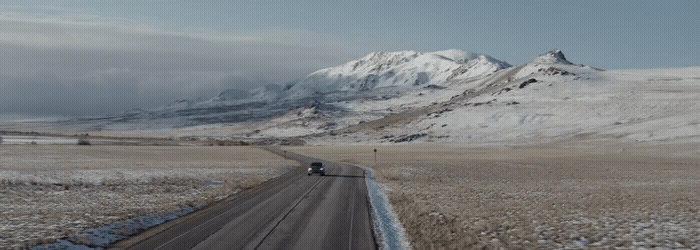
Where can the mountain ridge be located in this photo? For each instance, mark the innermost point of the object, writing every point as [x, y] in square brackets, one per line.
[446, 96]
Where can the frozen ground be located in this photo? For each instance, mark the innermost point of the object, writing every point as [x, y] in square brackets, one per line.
[546, 196]
[50, 192]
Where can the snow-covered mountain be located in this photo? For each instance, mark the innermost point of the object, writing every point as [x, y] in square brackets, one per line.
[376, 74]
[379, 75]
[448, 96]
[395, 72]
[550, 99]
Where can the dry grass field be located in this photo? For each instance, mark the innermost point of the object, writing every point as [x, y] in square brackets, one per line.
[52, 191]
[553, 196]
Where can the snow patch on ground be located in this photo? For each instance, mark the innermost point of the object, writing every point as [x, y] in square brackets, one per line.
[101, 237]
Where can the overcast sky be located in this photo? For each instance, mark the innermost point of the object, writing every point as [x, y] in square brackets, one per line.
[91, 57]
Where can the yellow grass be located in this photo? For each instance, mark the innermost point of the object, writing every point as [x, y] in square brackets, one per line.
[537, 197]
[55, 191]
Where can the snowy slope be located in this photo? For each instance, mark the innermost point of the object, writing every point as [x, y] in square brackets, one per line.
[610, 106]
[552, 99]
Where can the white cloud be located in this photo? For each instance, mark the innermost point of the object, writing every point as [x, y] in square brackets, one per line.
[83, 64]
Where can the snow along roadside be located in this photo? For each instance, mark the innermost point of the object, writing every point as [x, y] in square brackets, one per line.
[391, 233]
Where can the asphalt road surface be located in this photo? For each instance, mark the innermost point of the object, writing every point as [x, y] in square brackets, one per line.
[294, 211]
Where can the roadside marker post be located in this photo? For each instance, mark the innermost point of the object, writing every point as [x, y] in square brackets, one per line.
[375, 157]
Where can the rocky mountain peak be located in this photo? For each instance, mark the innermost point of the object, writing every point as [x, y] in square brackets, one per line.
[552, 57]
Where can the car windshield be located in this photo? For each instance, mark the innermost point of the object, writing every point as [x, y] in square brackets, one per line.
[316, 164]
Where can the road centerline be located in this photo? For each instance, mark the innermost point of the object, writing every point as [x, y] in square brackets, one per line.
[289, 211]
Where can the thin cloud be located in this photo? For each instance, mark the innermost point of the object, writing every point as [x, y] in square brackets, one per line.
[91, 65]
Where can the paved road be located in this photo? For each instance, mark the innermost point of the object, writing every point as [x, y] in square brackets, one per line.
[294, 211]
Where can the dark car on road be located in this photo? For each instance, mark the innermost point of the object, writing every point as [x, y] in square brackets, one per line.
[316, 167]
